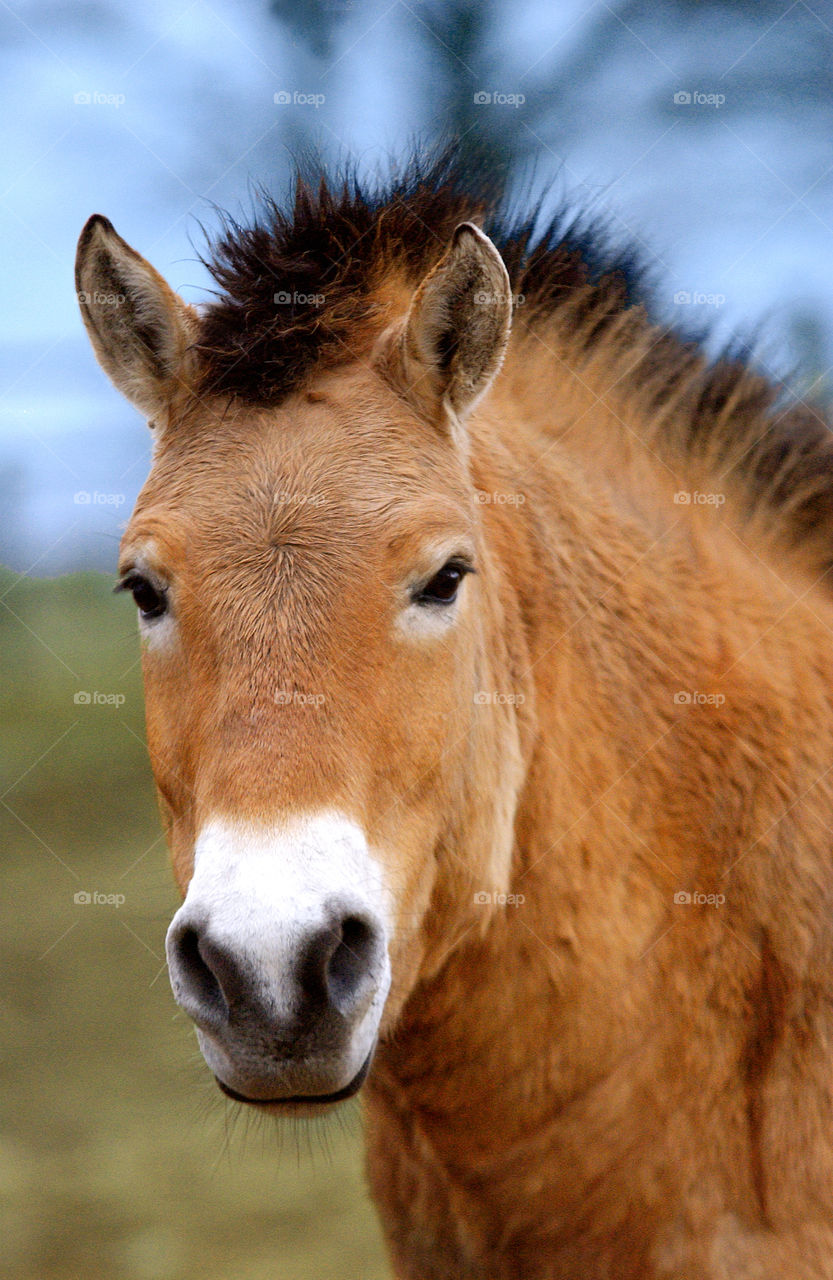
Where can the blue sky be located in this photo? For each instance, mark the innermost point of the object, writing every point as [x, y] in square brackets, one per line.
[177, 113]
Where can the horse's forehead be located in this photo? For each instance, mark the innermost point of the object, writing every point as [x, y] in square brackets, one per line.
[262, 506]
[247, 452]
[340, 431]
[320, 467]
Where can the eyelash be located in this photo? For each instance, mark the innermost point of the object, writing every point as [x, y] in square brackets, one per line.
[424, 596]
[137, 583]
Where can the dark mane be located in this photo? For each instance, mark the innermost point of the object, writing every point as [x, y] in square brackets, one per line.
[322, 260]
[300, 290]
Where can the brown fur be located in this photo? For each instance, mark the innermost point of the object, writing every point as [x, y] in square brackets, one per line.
[600, 1082]
[346, 254]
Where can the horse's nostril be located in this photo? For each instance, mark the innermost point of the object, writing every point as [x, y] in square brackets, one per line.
[325, 976]
[198, 975]
[336, 965]
[350, 961]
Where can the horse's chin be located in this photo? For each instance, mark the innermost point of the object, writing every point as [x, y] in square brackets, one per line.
[303, 1105]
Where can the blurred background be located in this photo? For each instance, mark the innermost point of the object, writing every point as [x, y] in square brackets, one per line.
[699, 129]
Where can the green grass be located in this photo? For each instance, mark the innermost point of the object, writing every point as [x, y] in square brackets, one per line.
[119, 1159]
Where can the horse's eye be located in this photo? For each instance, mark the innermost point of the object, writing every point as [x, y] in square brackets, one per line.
[443, 587]
[150, 600]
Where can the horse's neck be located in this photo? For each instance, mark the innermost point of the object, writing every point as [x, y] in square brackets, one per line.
[654, 664]
[489, 1110]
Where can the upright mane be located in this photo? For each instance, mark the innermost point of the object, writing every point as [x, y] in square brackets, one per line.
[308, 288]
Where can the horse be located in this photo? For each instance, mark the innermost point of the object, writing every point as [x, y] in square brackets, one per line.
[486, 643]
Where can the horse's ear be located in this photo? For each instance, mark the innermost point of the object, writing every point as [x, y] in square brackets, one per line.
[140, 329]
[455, 334]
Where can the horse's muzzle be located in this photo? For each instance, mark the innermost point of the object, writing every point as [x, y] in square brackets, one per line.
[285, 981]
